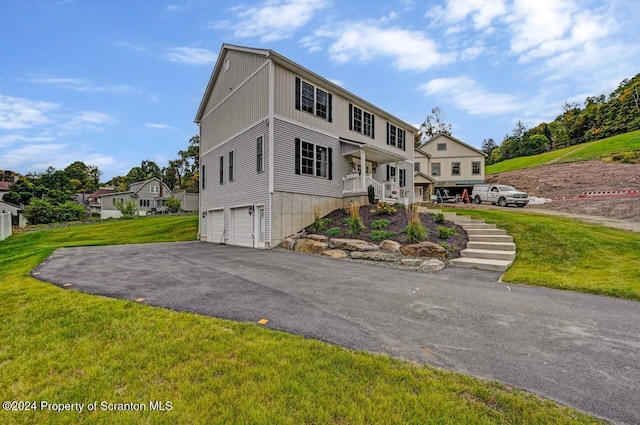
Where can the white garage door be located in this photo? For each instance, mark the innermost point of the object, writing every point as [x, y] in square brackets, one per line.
[241, 227]
[215, 224]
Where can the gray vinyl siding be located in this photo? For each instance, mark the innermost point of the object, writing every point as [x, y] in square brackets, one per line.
[245, 107]
[242, 65]
[107, 200]
[248, 186]
[285, 179]
[285, 107]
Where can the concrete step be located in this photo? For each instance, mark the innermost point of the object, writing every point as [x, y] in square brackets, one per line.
[486, 232]
[490, 238]
[488, 254]
[496, 246]
[474, 226]
[481, 263]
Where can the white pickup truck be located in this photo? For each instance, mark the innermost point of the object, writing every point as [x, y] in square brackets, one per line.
[500, 194]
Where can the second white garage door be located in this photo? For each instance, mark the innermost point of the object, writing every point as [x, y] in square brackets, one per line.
[241, 227]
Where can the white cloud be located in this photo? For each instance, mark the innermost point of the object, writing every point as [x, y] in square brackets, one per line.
[365, 41]
[191, 55]
[12, 138]
[18, 113]
[130, 45]
[37, 157]
[481, 12]
[274, 20]
[83, 85]
[469, 96]
[84, 121]
[158, 126]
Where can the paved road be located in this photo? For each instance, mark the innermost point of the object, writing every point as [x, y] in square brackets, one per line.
[578, 349]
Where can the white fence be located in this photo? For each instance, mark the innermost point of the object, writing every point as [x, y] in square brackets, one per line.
[5, 226]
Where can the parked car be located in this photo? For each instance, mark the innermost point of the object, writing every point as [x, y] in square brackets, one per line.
[500, 194]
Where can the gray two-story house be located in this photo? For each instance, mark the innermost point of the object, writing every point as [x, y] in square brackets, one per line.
[150, 196]
[278, 141]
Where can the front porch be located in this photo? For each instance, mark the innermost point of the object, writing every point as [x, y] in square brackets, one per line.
[364, 161]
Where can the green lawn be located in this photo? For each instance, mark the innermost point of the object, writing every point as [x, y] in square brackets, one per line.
[62, 346]
[568, 254]
[583, 152]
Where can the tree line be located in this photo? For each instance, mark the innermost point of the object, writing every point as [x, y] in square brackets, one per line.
[601, 117]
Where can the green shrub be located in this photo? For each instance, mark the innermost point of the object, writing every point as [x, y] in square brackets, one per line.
[446, 232]
[319, 225]
[380, 235]
[40, 211]
[446, 245]
[380, 224]
[174, 205]
[415, 231]
[438, 218]
[386, 209]
[398, 205]
[127, 209]
[70, 211]
[355, 225]
[334, 231]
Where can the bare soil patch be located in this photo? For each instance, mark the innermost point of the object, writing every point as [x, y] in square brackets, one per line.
[569, 180]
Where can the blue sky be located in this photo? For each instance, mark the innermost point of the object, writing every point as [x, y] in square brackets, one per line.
[112, 83]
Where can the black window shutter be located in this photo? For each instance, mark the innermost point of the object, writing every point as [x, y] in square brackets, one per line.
[330, 163]
[387, 138]
[404, 140]
[387, 168]
[297, 156]
[330, 112]
[350, 116]
[297, 93]
[373, 126]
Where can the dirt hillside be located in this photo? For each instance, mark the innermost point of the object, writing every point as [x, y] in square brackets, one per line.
[569, 180]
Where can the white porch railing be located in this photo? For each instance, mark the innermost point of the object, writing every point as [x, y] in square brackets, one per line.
[352, 183]
[387, 191]
[378, 188]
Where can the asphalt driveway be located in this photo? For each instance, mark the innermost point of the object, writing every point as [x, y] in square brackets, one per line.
[578, 349]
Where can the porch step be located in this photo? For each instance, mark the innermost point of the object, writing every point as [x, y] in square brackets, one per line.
[494, 246]
[490, 254]
[476, 226]
[481, 264]
[486, 232]
[490, 238]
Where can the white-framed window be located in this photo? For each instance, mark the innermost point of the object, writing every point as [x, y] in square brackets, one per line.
[435, 169]
[154, 189]
[475, 167]
[395, 136]
[313, 160]
[402, 178]
[313, 99]
[455, 168]
[145, 203]
[231, 164]
[227, 64]
[259, 155]
[441, 147]
[361, 121]
[416, 166]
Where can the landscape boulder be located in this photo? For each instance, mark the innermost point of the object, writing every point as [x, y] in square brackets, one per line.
[288, 243]
[391, 246]
[412, 262]
[352, 245]
[318, 238]
[309, 246]
[335, 253]
[432, 265]
[424, 249]
[373, 256]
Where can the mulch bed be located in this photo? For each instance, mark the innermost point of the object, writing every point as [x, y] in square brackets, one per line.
[397, 223]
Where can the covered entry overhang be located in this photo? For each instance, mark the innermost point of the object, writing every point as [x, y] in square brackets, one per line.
[359, 180]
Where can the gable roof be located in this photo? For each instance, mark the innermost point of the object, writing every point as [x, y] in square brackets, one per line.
[295, 68]
[147, 181]
[454, 140]
[427, 154]
[100, 192]
[5, 185]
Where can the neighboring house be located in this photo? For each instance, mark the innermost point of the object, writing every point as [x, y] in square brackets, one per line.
[278, 142]
[149, 196]
[93, 200]
[189, 201]
[17, 216]
[445, 163]
[4, 188]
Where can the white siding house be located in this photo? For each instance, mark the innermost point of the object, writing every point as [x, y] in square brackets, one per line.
[277, 140]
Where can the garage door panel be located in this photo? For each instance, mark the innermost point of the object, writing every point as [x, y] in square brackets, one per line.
[215, 225]
[242, 227]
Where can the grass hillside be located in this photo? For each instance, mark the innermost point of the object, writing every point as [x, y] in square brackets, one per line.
[63, 346]
[583, 152]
